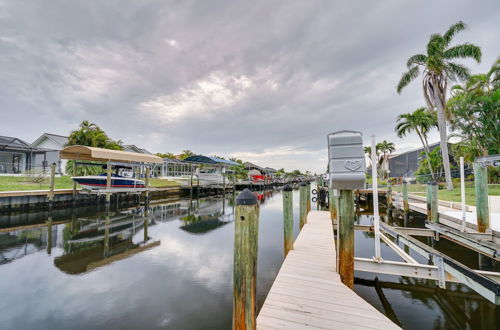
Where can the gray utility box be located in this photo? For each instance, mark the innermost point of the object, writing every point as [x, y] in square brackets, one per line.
[346, 160]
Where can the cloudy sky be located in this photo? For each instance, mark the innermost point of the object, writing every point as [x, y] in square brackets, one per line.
[261, 80]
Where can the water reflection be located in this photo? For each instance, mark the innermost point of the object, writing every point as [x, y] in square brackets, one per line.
[169, 265]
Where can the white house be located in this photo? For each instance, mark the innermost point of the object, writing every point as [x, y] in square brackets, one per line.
[53, 143]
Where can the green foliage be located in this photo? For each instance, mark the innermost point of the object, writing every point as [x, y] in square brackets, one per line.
[166, 155]
[186, 153]
[476, 117]
[423, 173]
[91, 135]
[82, 170]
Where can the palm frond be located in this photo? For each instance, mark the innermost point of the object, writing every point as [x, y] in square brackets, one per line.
[457, 71]
[407, 77]
[453, 30]
[466, 50]
[416, 59]
[435, 45]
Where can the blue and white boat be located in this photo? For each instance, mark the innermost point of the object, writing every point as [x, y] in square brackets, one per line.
[99, 181]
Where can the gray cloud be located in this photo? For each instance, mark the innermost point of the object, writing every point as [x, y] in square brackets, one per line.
[261, 80]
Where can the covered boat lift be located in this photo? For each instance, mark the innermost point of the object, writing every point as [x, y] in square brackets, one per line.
[111, 157]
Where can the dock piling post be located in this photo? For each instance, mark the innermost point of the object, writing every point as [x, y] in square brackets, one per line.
[245, 261]
[288, 218]
[434, 202]
[406, 206]
[481, 185]
[332, 201]
[108, 182]
[346, 237]
[389, 195]
[462, 195]
[428, 197]
[303, 205]
[308, 197]
[52, 181]
[74, 182]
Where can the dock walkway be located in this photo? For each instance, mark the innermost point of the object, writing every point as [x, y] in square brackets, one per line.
[308, 292]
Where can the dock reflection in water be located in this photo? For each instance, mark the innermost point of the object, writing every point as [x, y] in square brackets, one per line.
[171, 265]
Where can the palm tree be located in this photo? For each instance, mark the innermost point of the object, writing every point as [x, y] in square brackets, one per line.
[384, 147]
[438, 69]
[420, 121]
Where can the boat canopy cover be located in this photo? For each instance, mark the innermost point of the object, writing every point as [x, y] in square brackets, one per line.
[99, 154]
[209, 160]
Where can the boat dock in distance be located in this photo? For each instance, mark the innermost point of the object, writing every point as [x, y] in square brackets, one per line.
[308, 292]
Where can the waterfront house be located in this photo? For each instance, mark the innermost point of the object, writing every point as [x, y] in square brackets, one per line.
[53, 143]
[406, 164]
[18, 156]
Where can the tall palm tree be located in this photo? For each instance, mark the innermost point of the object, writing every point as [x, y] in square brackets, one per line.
[420, 121]
[385, 148]
[438, 70]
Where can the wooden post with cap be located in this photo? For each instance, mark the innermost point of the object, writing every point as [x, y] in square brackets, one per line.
[303, 204]
[406, 206]
[434, 216]
[288, 218]
[308, 196]
[481, 185]
[246, 232]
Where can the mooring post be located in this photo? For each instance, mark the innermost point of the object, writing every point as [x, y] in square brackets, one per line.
[481, 185]
[52, 181]
[74, 182]
[308, 198]
[406, 206]
[108, 182]
[434, 202]
[389, 195]
[288, 217]
[246, 233]
[303, 205]
[332, 201]
[428, 197]
[346, 237]
[462, 195]
[146, 182]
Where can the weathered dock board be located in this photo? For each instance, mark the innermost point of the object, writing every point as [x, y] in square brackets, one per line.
[308, 293]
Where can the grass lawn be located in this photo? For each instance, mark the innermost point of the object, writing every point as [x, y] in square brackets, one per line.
[454, 195]
[9, 183]
[12, 183]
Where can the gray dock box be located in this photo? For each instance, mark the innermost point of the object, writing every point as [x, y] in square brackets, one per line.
[347, 160]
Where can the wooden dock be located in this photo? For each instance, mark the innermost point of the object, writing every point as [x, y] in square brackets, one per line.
[308, 293]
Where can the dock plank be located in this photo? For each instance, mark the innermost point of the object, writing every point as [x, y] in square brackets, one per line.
[307, 292]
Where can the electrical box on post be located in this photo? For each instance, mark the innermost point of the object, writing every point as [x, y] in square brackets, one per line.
[346, 160]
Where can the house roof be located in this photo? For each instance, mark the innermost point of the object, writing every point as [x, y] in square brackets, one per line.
[99, 154]
[136, 148]
[59, 139]
[250, 165]
[16, 144]
[209, 160]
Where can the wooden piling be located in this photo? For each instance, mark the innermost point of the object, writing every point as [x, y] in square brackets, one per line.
[406, 206]
[332, 203]
[389, 195]
[245, 261]
[308, 197]
[346, 237]
[303, 205]
[481, 185]
[52, 181]
[434, 203]
[288, 218]
[108, 182]
[74, 182]
[428, 198]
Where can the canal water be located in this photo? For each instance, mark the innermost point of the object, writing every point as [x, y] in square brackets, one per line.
[83, 269]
